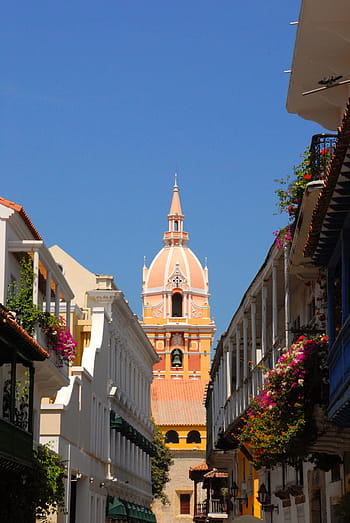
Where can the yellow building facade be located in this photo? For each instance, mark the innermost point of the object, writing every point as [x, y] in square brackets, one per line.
[176, 319]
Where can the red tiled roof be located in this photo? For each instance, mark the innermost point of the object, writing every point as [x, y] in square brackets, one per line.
[332, 176]
[201, 466]
[7, 318]
[178, 402]
[215, 474]
[23, 215]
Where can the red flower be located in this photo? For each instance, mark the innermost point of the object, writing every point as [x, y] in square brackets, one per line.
[324, 151]
[307, 176]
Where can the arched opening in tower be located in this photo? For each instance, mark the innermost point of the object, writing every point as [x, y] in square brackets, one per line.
[176, 302]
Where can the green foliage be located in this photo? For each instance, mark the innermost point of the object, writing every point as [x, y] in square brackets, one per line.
[279, 423]
[47, 481]
[160, 466]
[291, 189]
[41, 490]
[20, 301]
[20, 296]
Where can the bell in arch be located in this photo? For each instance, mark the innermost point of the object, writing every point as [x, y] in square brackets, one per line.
[176, 358]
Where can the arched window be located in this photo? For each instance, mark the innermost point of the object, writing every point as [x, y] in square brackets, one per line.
[193, 437]
[176, 226]
[176, 358]
[171, 437]
[176, 305]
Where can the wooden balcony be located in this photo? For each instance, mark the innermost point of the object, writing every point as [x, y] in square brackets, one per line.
[217, 509]
[339, 378]
[16, 446]
[214, 509]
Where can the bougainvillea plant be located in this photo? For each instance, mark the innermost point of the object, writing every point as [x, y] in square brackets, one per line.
[283, 237]
[60, 339]
[291, 188]
[278, 425]
[28, 315]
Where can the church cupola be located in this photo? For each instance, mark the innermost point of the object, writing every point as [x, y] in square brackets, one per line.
[175, 234]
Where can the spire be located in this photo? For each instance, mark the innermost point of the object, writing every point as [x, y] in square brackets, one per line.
[175, 234]
[175, 208]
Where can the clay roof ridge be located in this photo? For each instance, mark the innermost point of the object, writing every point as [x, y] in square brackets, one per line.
[23, 214]
[7, 317]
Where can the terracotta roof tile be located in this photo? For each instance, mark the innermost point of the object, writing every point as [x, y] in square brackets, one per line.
[178, 402]
[201, 466]
[23, 214]
[215, 474]
[7, 318]
[332, 176]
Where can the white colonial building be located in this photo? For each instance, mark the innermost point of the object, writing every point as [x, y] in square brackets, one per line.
[30, 369]
[100, 423]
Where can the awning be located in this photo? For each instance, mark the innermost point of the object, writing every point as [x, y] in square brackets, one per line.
[116, 509]
[121, 425]
[123, 510]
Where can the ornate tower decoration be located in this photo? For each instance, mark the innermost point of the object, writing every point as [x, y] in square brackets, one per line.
[176, 312]
[176, 319]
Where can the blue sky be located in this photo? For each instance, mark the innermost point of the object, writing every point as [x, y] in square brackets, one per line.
[101, 102]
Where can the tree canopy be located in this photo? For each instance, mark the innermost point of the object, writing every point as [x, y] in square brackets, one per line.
[160, 466]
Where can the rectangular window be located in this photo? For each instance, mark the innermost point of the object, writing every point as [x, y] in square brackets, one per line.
[185, 503]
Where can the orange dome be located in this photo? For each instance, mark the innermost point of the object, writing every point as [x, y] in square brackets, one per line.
[176, 266]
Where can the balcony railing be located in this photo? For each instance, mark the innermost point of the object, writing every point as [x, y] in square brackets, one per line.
[321, 151]
[214, 508]
[217, 508]
[16, 444]
[200, 510]
[59, 363]
[240, 398]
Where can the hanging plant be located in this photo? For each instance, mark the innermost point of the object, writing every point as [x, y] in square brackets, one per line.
[60, 339]
[292, 188]
[279, 424]
[20, 303]
[283, 237]
[20, 297]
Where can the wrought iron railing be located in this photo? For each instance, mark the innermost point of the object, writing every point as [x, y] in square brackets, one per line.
[212, 506]
[200, 510]
[217, 506]
[321, 152]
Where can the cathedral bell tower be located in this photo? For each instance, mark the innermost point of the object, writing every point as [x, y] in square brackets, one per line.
[176, 312]
[176, 319]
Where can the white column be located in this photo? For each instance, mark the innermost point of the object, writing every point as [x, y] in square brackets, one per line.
[263, 319]
[48, 292]
[219, 388]
[228, 355]
[245, 347]
[287, 298]
[57, 301]
[255, 357]
[36, 278]
[224, 376]
[68, 313]
[245, 362]
[274, 305]
[238, 363]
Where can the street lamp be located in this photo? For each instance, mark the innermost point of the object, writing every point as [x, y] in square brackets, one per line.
[264, 498]
[234, 491]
